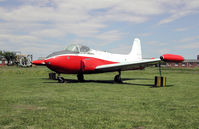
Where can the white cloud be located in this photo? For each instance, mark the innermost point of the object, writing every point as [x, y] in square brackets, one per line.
[18, 38]
[33, 21]
[164, 51]
[179, 9]
[144, 34]
[141, 7]
[110, 36]
[176, 15]
[87, 15]
[123, 17]
[27, 44]
[192, 4]
[181, 29]
[188, 39]
[156, 43]
[194, 45]
[122, 49]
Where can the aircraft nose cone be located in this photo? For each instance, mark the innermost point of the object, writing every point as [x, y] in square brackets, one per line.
[38, 62]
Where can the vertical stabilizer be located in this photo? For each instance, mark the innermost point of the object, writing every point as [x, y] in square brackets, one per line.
[136, 52]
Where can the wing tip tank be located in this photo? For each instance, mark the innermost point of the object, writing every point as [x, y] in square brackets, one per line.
[172, 58]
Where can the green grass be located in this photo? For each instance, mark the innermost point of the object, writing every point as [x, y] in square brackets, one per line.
[28, 100]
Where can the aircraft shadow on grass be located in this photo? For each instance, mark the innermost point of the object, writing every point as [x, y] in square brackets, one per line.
[110, 81]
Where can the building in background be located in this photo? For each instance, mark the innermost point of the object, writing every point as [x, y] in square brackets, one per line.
[187, 63]
[15, 58]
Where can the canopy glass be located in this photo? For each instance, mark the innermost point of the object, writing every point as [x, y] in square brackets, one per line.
[77, 48]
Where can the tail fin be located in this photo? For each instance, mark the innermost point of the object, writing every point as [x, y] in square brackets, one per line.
[136, 52]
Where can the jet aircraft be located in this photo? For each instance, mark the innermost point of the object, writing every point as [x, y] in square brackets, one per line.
[79, 59]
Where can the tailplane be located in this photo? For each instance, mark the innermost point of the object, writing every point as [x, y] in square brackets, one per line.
[136, 52]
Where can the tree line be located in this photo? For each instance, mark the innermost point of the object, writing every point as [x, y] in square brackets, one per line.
[9, 56]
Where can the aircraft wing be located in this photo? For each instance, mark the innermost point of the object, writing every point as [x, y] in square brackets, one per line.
[128, 65]
[140, 64]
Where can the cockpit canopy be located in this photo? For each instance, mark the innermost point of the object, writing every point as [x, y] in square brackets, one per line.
[71, 49]
[77, 48]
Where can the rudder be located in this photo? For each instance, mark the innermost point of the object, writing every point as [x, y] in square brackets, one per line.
[136, 52]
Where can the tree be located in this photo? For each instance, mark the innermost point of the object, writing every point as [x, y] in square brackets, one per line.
[1, 54]
[10, 56]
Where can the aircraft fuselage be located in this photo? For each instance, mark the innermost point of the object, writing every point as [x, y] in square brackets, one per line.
[73, 64]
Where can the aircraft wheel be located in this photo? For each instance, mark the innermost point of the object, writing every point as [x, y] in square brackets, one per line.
[118, 79]
[60, 79]
[80, 77]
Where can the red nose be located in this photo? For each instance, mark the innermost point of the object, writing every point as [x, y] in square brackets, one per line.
[38, 62]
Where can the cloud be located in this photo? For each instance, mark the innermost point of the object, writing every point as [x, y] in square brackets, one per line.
[176, 15]
[141, 7]
[110, 36]
[181, 29]
[27, 44]
[144, 34]
[164, 51]
[122, 49]
[188, 43]
[18, 38]
[188, 39]
[157, 43]
[35, 21]
[179, 9]
[194, 45]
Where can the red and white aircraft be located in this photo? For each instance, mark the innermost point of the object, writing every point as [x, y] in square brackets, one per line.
[80, 60]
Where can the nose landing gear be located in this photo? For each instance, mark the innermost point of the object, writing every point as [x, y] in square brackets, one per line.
[60, 79]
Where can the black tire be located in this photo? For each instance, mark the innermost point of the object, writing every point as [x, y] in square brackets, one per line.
[80, 77]
[117, 79]
[60, 79]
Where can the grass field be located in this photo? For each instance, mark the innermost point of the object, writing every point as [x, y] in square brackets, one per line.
[28, 100]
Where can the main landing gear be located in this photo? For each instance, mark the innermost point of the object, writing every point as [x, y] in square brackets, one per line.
[80, 77]
[117, 78]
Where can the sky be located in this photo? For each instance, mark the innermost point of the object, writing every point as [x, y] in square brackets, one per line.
[40, 27]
